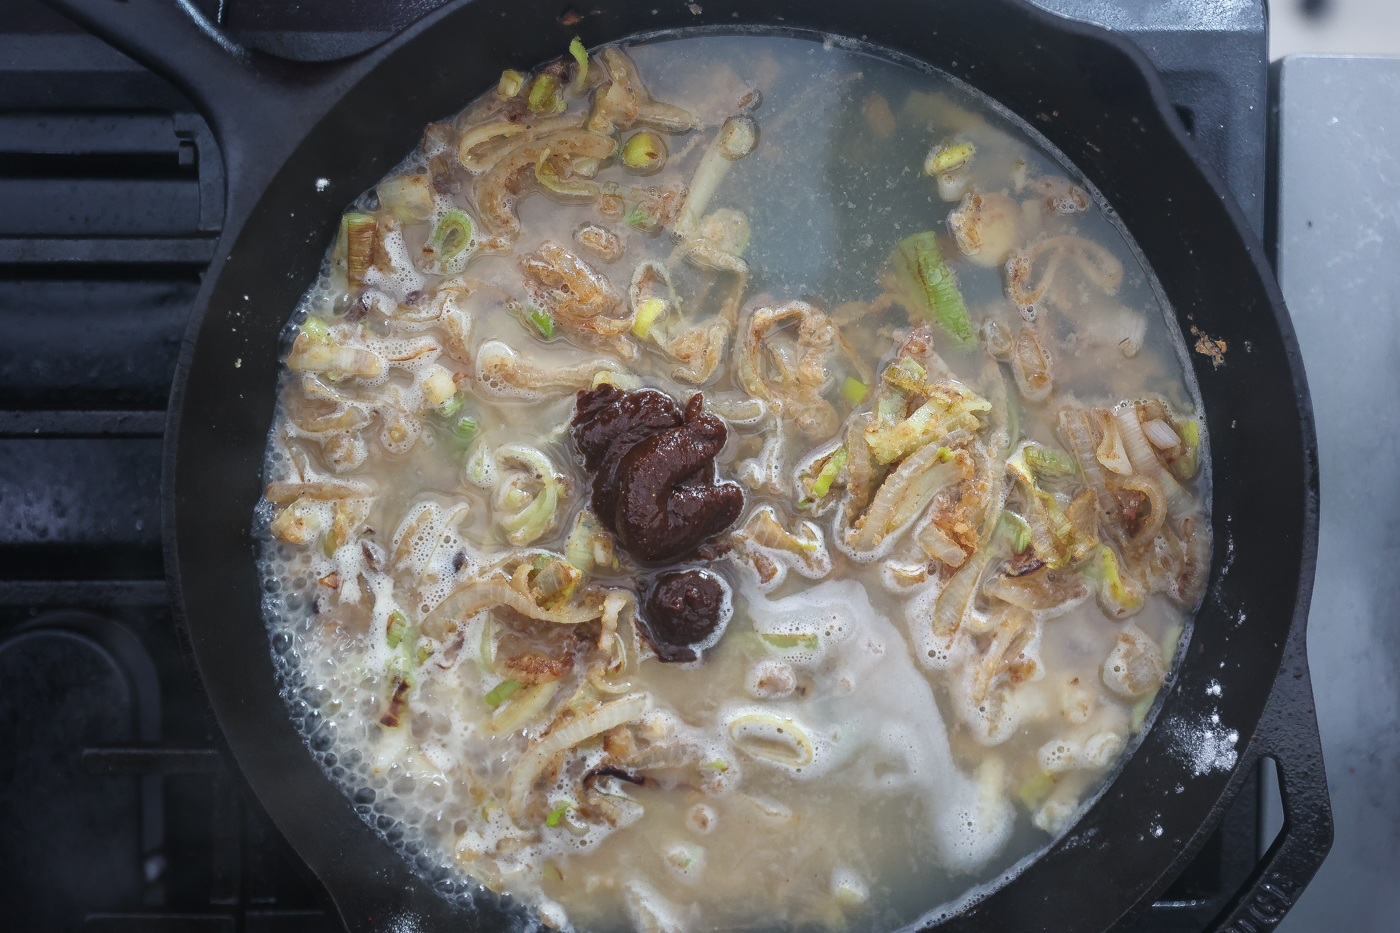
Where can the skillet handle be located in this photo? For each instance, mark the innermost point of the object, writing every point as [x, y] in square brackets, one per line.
[1288, 734]
[258, 106]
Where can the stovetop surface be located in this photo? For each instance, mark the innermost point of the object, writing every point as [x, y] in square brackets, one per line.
[119, 810]
[1338, 222]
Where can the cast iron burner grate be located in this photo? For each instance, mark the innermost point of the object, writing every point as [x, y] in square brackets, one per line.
[120, 810]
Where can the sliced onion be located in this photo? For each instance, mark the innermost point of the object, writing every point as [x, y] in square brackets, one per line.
[772, 737]
[603, 685]
[495, 590]
[1156, 499]
[1016, 628]
[713, 166]
[1111, 453]
[957, 597]
[772, 548]
[1074, 426]
[474, 136]
[537, 515]
[325, 489]
[533, 762]
[1037, 592]
[1144, 460]
[903, 496]
[1160, 434]
[343, 418]
[1030, 362]
[521, 708]
[664, 758]
[1195, 562]
[997, 339]
[937, 545]
[311, 356]
[900, 576]
[504, 373]
[737, 409]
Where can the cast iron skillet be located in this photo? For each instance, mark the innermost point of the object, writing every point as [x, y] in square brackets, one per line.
[283, 126]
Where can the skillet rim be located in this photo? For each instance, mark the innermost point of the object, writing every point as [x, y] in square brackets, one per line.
[1166, 120]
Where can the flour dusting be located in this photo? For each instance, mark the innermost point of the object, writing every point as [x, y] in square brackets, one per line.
[1206, 745]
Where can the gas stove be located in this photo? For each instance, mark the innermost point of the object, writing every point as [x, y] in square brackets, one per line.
[119, 809]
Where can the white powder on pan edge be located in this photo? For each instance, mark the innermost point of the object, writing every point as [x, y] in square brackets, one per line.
[1205, 744]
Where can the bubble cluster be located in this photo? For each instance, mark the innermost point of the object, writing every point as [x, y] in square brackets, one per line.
[403, 277]
[496, 364]
[806, 626]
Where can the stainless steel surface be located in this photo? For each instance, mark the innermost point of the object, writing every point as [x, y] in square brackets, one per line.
[1339, 265]
[1354, 26]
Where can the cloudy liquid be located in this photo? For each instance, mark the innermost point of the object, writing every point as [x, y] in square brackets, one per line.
[902, 808]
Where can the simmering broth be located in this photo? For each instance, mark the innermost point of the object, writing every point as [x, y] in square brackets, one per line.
[860, 628]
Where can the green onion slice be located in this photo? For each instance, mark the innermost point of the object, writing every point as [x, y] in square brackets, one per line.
[929, 284]
[451, 237]
[501, 692]
[834, 465]
[398, 624]
[542, 320]
[580, 55]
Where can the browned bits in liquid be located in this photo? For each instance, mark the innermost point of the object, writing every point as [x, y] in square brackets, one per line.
[599, 242]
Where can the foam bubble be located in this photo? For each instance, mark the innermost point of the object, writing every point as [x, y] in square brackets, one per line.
[1058, 755]
[848, 887]
[805, 626]
[979, 821]
[701, 819]
[493, 359]
[685, 861]
[400, 278]
[771, 679]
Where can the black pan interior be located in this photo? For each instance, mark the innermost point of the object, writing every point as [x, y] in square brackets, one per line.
[1088, 96]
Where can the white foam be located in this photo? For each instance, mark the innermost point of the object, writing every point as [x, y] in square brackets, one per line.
[848, 887]
[887, 733]
[816, 619]
[771, 679]
[479, 467]
[976, 826]
[492, 356]
[701, 819]
[685, 861]
[649, 911]
[401, 277]
[553, 915]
